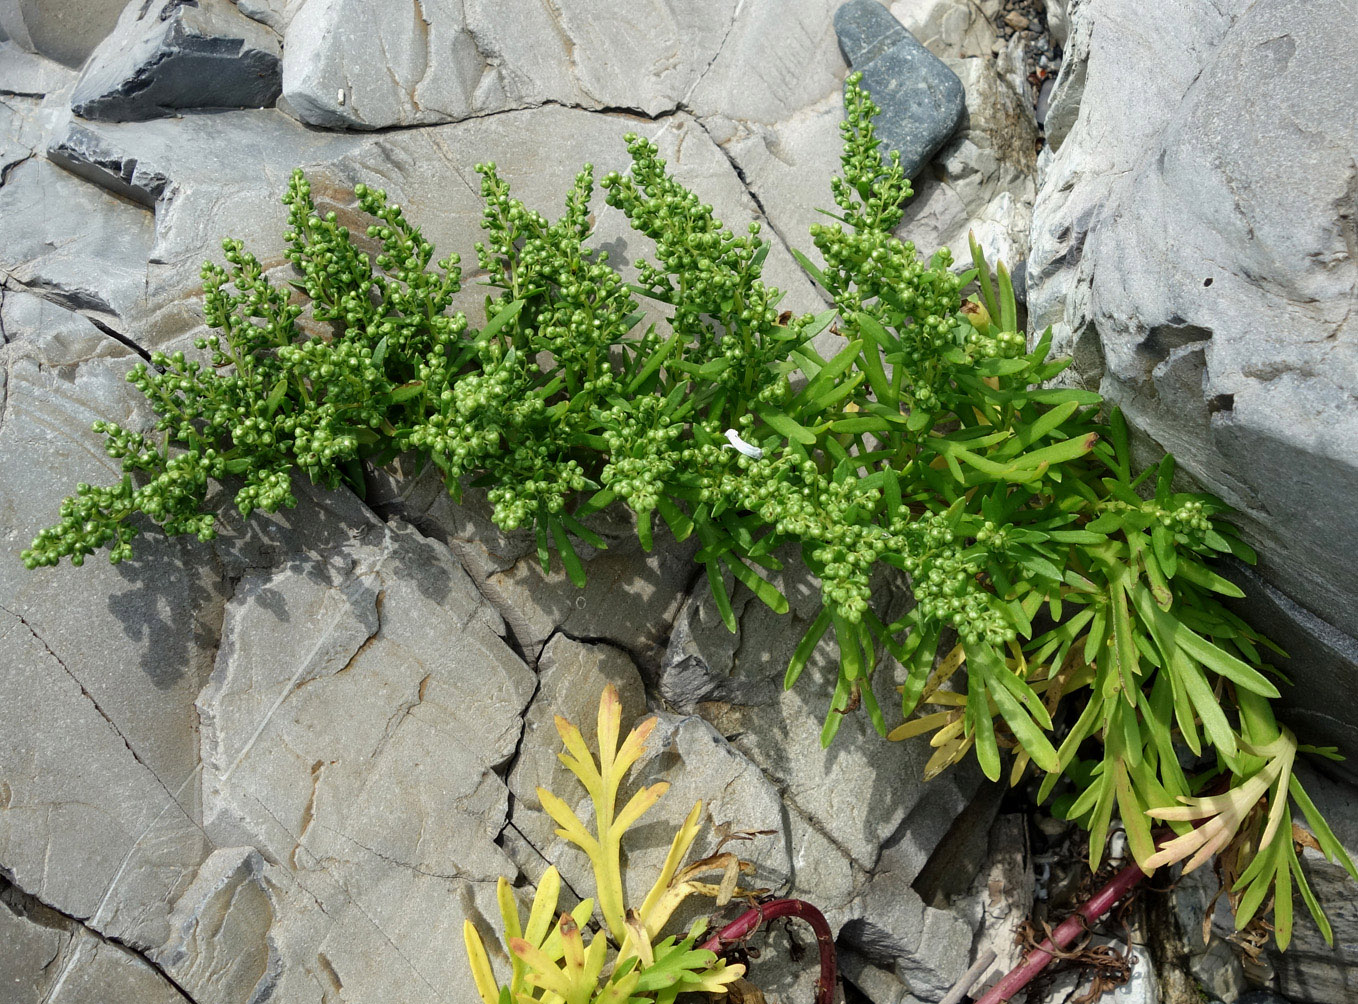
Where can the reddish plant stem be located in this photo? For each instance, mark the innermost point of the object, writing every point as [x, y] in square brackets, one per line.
[749, 922]
[1093, 909]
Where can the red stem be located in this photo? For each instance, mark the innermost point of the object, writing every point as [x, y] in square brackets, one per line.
[749, 922]
[1097, 905]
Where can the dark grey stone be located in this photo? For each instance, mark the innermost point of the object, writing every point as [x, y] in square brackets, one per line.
[922, 101]
[168, 55]
[1322, 663]
[85, 153]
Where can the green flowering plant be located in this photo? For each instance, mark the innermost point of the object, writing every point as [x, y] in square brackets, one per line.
[1066, 609]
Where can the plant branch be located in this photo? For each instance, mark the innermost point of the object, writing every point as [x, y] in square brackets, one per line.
[751, 920]
[1093, 909]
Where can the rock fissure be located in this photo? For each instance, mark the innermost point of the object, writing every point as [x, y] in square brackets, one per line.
[73, 924]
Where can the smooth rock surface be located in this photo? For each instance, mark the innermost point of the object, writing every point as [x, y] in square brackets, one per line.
[64, 30]
[922, 101]
[170, 55]
[28, 74]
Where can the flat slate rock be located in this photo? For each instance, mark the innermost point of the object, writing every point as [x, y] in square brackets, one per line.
[168, 55]
[922, 101]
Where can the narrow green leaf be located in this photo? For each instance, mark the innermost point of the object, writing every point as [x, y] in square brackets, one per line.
[983, 276]
[503, 317]
[276, 395]
[653, 362]
[787, 426]
[1332, 848]
[805, 647]
[406, 391]
[718, 586]
[680, 525]
[1008, 308]
[575, 569]
[839, 704]
[766, 591]
[812, 271]
[1163, 543]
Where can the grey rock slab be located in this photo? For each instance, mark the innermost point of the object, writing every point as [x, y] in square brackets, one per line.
[64, 30]
[1206, 283]
[50, 958]
[75, 243]
[774, 61]
[219, 947]
[927, 949]
[443, 60]
[859, 791]
[28, 74]
[449, 60]
[85, 826]
[137, 637]
[373, 627]
[349, 734]
[630, 597]
[1004, 890]
[277, 14]
[950, 28]
[169, 55]
[922, 101]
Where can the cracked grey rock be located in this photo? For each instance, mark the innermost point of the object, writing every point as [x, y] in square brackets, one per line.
[277, 14]
[84, 152]
[50, 958]
[922, 100]
[77, 244]
[63, 30]
[1205, 284]
[927, 949]
[1003, 893]
[629, 600]
[448, 60]
[375, 628]
[75, 793]
[950, 28]
[134, 638]
[859, 793]
[350, 732]
[172, 55]
[216, 951]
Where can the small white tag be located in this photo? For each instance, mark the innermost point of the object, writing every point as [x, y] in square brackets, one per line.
[736, 443]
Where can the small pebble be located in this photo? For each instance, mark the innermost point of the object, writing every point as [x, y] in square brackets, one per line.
[1016, 21]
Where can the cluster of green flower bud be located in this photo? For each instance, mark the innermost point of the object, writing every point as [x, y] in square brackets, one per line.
[872, 191]
[703, 267]
[642, 451]
[519, 498]
[944, 572]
